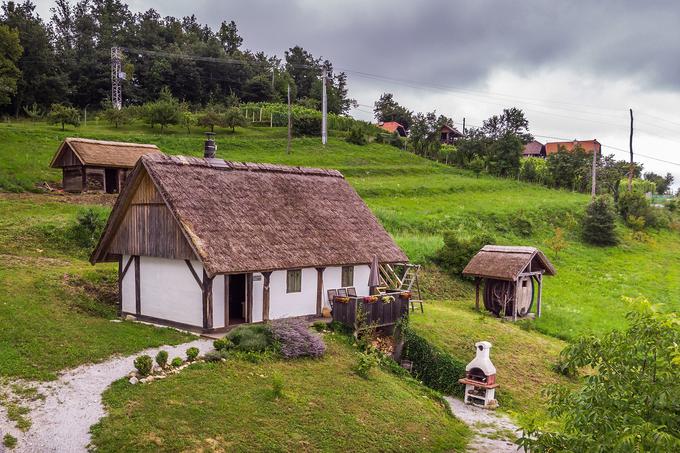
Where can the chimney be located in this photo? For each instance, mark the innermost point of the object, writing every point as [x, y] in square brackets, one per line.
[210, 146]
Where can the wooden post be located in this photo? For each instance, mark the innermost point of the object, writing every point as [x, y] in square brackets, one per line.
[539, 277]
[265, 296]
[319, 290]
[514, 302]
[207, 301]
[120, 285]
[477, 282]
[227, 280]
[630, 145]
[138, 289]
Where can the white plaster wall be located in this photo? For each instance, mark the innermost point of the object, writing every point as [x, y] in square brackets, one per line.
[284, 305]
[129, 286]
[218, 301]
[258, 287]
[332, 279]
[169, 290]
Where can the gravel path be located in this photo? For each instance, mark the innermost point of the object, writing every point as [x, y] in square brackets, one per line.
[491, 428]
[73, 403]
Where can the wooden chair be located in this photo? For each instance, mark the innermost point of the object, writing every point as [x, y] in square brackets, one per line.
[352, 291]
[331, 296]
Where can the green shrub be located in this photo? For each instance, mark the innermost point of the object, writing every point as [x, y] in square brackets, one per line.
[63, 114]
[88, 227]
[251, 338]
[522, 225]
[320, 326]
[599, 226]
[215, 356]
[9, 441]
[177, 362]
[192, 354]
[144, 365]
[458, 251]
[338, 327]
[277, 385]
[436, 368]
[356, 136]
[306, 125]
[223, 344]
[162, 358]
[634, 204]
[366, 361]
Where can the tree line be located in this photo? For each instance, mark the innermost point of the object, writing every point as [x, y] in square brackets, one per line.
[66, 60]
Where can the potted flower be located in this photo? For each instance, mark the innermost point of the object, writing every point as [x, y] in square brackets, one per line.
[387, 299]
[405, 295]
[341, 299]
[370, 299]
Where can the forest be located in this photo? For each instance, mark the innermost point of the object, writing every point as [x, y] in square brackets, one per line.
[65, 59]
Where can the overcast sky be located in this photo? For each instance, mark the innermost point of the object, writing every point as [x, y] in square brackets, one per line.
[574, 67]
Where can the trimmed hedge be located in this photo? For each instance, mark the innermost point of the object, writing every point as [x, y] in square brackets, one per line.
[436, 368]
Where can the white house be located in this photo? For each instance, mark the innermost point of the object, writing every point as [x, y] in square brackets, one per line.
[204, 243]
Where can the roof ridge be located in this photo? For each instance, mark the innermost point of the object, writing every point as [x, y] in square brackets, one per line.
[109, 142]
[223, 164]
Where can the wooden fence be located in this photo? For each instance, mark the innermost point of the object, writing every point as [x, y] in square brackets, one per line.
[378, 313]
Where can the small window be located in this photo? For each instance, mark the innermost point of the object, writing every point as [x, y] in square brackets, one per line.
[524, 283]
[294, 281]
[347, 276]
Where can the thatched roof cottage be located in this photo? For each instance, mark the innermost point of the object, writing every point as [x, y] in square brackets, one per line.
[97, 165]
[204, 243]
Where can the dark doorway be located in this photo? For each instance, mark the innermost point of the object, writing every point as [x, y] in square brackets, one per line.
[237, 299]
[111, 180]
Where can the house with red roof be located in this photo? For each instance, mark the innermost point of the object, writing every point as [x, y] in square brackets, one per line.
[392, 127]
[588, 146]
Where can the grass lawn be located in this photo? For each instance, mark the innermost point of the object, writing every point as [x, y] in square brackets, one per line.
[523, 358]
[48, 323]
[230, 406]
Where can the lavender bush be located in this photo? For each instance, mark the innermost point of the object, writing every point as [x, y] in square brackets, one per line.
[296, 340]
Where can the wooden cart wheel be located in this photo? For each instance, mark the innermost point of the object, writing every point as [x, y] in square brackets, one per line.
[499, 297]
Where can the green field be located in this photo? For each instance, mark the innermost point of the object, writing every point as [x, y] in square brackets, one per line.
[54, 323]
[324, 407]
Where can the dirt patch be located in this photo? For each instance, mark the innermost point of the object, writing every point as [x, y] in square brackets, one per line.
[37, 261]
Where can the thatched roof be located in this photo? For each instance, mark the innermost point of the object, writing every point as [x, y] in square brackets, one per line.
[245, 217]
[101, 153]
[506, 262]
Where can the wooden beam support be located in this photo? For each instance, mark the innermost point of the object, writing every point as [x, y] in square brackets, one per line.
[319, 290]
[193, 272]
[227, 280]
[138, 288]
[120, 284]
[207, 301]
[265, 296]
[477, 283]
[540, 291]
[127, 266]
[514, 302]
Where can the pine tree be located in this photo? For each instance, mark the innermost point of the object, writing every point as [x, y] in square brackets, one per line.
[599, 225]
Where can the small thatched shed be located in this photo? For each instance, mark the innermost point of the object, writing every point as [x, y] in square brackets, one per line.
[509, 274]
[96, 165]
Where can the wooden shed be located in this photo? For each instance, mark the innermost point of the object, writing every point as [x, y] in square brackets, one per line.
[512, 276]
[96, 165]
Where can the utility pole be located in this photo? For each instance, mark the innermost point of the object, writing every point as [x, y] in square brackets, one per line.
[273, 69]
[594, 177]
[324, 110]
[463, 125]
[289, 123]
[116, 71]
[632, 164]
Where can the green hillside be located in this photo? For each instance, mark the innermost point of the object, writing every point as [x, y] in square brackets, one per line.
[49, 282]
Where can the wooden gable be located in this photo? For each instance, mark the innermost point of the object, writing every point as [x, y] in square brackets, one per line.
[148, 228]
[65, 157]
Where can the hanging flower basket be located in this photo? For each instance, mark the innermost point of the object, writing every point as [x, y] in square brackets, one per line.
[370, 299]
[341, 299]
[405, 295]
[387, 299]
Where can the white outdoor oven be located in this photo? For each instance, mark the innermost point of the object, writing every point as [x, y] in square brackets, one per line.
[480, 378]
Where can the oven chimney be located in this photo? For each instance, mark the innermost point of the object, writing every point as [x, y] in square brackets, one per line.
[210, 146]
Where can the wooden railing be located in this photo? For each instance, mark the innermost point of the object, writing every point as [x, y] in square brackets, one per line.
[379, 313]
